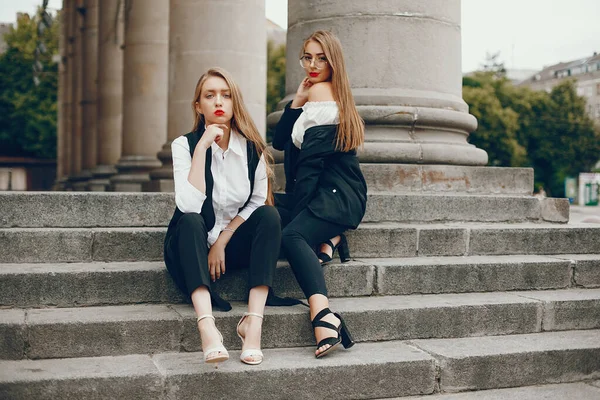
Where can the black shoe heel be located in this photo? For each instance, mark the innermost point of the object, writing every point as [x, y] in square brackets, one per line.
[347, 340]
[343, 249]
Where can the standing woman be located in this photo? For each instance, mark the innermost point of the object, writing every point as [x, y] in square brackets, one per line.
[221, 222]
[320, 131]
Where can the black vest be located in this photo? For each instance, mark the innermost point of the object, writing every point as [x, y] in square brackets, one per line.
[208, 211]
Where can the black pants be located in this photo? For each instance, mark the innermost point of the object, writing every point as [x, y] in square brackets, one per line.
[299, 239]
[254, 245]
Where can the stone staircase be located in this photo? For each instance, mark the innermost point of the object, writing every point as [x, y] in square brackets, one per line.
[461, 281]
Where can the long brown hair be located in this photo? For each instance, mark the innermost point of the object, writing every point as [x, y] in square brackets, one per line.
[241, 120]
[351, 130]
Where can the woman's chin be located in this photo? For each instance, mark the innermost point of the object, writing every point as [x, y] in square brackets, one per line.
[217, 120]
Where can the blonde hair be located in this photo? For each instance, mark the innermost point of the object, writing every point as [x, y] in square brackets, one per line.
[241, 120]
[351, 130]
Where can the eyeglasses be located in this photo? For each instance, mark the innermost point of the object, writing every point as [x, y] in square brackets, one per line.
[307, 61]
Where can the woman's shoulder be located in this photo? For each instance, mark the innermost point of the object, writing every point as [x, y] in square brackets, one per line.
[320, 92]
[181, 141]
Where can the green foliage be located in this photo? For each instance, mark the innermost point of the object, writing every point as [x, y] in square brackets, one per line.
[550, 132]
[275, 77]
[28, 112]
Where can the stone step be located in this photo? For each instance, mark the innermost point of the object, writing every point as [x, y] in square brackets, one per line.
[515, 360]
[143, 328]
[81, 209]
[368, 370]
[30, 245]
[116, 283]
[562, 391]
[413, 178]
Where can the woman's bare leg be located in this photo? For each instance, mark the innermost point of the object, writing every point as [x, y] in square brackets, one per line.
[251, 327]
[209, 333]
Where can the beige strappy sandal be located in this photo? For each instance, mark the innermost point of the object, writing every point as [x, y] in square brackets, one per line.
[222, 354]
[256, 354]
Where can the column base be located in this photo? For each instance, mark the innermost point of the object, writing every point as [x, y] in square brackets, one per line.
[159, 185]
[161, 179]
[433, 129]
[79, 181]
[61, 184]
[100, 181]
[133, 172]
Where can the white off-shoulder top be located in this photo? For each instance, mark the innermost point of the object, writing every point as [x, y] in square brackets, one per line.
[314, 113]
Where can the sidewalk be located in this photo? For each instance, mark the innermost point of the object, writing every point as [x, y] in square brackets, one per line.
[584, 214]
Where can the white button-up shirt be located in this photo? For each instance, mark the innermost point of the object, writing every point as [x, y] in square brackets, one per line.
[231, 187]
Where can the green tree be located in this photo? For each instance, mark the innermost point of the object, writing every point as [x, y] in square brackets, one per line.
[28, 112]
[275, 77]
[550, 132]
[497, 125]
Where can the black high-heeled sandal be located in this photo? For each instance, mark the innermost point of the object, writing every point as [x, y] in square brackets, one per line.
[343, 334]
[341, 247]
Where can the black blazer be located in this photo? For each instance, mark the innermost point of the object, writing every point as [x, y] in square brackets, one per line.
[326, 181]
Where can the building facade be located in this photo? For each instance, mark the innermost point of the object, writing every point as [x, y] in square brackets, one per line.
[585, 71]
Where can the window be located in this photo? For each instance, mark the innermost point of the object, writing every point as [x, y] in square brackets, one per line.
[598, 89]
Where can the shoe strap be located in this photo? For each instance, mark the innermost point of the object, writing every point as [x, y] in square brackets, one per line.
[253, 314]
[321, 314]
[330, 243]
[324, 324]
[329, 341]
[200, 318]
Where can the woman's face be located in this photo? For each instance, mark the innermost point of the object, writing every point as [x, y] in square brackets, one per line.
[215, 101]
[315, 63]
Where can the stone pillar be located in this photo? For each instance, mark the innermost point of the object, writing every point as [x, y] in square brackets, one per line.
[145, 74]
[404, 62]
[76, 92]
[63, 103]
[110, 92]
[89, 56]
[199, 40]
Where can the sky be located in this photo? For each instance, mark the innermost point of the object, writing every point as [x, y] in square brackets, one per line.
[529, 34]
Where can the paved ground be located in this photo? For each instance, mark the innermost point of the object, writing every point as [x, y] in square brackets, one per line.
[589, 214]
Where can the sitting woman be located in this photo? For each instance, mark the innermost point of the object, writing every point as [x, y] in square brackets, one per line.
[221, 222]
[320, 131]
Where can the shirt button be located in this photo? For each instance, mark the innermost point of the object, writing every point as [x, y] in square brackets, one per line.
[334, 190]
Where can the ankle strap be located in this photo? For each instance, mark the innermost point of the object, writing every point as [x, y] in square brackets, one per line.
[253, 314]
[200, 318]
[321, 314]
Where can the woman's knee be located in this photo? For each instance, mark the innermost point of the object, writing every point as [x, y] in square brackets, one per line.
[289, 236]
[191, 222]
[268, 216]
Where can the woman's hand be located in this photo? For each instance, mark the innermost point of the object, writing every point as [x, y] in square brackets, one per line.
[213, 133]
[302, 93]
[216, 261]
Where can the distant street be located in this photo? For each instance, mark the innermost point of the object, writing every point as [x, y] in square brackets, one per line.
[584, 214]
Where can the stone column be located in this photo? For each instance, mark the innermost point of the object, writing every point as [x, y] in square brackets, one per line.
[404, 62]
[76, 93]
[145, 74]
[110, 92]
[89, 55]
[63, 103]
[202, 34]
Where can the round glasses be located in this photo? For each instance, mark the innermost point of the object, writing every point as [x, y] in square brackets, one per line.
[306, 62]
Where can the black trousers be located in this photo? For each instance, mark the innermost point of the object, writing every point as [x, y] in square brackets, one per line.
[254, 245]
[299, 239]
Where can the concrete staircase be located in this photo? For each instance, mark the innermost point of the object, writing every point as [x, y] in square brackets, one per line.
[454, 287]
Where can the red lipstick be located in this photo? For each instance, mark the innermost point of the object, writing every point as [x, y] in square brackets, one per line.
[218, 113]
[314, 74]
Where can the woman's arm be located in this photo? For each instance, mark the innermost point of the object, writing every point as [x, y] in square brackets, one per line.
[259, 194]
[283, 130]
[189, 194]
